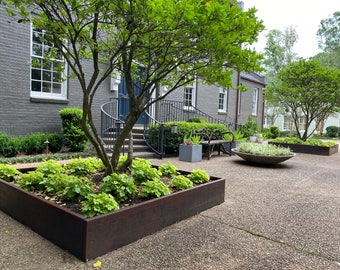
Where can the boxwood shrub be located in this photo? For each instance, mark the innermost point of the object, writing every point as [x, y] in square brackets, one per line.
[173, 140]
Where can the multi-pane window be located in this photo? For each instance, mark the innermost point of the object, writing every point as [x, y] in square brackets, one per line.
[302, 123]
[287, 123]
[189, 96]
[222, 100]
[255, 101]
[47, 68]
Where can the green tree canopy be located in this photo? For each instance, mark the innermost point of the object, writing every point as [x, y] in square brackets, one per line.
[173, 41]
[307, 89]
[278, 55]
[329, 41]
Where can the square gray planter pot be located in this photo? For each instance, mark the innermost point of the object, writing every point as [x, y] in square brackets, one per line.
[190, 153]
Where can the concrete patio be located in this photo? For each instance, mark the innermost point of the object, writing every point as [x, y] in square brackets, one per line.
[281, 217]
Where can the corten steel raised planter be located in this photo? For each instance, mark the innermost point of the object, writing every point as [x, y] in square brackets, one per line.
[310, 149]
[93, 237]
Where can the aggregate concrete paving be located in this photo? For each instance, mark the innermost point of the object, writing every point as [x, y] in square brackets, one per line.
[281, 217]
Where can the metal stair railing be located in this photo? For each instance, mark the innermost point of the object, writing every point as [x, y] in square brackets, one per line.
[110, 125]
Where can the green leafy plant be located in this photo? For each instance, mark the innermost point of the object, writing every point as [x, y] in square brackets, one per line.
[141, 170]
[80, 166]
[31, 181]
[333, 131]
[180, 182]
[250, 127]
[199, 176]
[168, 169]
[50, 167]
[77, 189]
[34, 143]
[190, 139]
[8, 173]
[55, 184]
[154, 189]
[97, 204]
[121, 186]
[294, 140]
[263, 149]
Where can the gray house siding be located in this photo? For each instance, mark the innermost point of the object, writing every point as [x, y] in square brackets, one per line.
[207, 97]
[19, 113]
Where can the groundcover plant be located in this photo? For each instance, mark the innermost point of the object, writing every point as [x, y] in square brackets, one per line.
[81, 186]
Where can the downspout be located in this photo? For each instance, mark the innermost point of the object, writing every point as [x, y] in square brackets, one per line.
[263, 104]
[237, 99]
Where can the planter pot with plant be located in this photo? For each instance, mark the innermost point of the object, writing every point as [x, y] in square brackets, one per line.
[90, 217]
[263, 153]
[191, 149]
[310, 146]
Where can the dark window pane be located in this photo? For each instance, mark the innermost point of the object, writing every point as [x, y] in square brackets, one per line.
[46, 87]
[57, 88]
[36, 86]
[37, 49]
[46, 75]
[36, 74]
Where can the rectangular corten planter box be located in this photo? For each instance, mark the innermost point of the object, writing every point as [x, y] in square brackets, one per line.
[310, 149]
[93, 237]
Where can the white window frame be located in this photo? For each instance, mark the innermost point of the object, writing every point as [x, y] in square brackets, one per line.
[190, 102]
[222, 100]
[255, 101]
[40, 94]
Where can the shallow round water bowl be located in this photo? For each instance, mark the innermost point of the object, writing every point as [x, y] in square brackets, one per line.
[262, 159]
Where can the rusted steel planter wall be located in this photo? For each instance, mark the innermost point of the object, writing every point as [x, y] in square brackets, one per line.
[93, 237]
[310, 149]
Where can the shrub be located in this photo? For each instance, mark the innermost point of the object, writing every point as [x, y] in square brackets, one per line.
[196, 120]
[121, 186]
[274, 131]
[34, 143]
[154, 189]
[55, 142]
[8, 173]
[73, 134]
[180, 182]
[199, 176]
[332, 131]
[141, 170]
[31, 181]
[9, 146]
[50, 167]
[250, 127]
[97, 204]
[168, 169]
[80, 166]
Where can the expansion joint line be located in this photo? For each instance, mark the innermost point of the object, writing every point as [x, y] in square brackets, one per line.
[297, 248]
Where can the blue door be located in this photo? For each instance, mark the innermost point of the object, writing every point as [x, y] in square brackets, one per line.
[123, 102]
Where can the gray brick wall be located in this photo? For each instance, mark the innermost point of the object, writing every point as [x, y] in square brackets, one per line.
[19, 115]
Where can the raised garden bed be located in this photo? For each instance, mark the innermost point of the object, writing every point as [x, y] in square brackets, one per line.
[310, 149]
[88, 238]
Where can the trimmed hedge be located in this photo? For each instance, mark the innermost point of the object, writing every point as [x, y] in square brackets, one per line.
[173, 140]
[31, 144]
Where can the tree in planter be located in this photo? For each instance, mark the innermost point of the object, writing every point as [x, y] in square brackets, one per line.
[307, 90]
[174, 41]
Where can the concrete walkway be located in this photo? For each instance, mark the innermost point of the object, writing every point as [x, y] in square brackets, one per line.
[282, 217]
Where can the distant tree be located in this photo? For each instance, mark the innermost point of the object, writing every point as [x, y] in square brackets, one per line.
[168, 42]
[329, 41]
[329, 33]
[278, 55]
[307, 89]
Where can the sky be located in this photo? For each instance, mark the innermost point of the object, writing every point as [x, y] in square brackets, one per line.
[304, 15]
